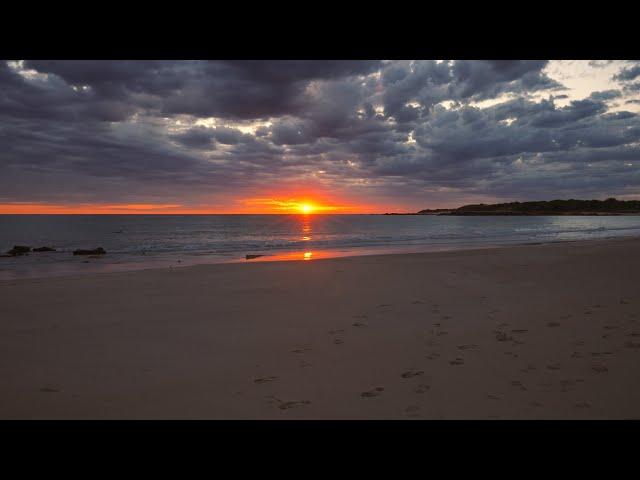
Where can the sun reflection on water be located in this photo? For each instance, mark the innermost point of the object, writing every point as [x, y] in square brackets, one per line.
[306, 228]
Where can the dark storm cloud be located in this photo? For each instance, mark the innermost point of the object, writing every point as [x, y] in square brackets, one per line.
[197, 137]
[102, 129]
[632, 88]
[487, 79]
[606, 95]
[428, 83]
[628, 73]
[240, 89]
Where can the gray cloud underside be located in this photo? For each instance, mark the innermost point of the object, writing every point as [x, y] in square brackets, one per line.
[106, 130]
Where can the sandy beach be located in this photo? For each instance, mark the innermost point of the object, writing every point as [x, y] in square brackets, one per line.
[524, 332]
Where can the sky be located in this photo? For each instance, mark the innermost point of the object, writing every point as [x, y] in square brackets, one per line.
[346, 136]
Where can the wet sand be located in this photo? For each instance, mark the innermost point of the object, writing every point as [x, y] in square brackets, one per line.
[525, 332]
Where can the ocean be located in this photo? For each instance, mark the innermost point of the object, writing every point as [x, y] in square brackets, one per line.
[147, 241]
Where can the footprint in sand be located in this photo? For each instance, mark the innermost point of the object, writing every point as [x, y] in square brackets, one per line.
[417, 302]
[528, 368]
[536, 404]
[610, 327]
[503, 337]
[282, 405]
[265, 379]
[553, 366]
[422, 388]
[301, 350]
[335, 332]
[588, 312]
[493, 397]
[632, 345]
[576, 355]
[446, 317]
[553, 324]
[457, 361]
[442, 332]
[338, 341]
[517, 384]
[634, 334]
[433, 356]
[292, 404]
[304, 364]
[412, 411]
[359, 324]
[599, 368]
[49, 390]
[522, 330]
[623, 302]
[372, 393]
[467, 347]
[412, 373]
[359, 316]
[503, 325]
[384, 305]
[567, 385]
[581, 405]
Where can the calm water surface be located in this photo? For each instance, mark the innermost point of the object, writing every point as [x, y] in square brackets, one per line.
[146, 241]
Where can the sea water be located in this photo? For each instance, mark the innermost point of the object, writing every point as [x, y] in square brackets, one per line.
[147, 241]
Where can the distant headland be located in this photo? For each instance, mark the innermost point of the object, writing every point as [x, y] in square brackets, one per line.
[610, 206]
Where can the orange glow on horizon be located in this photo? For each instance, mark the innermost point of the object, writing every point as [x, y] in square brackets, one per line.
[171, 209]
[306, 204]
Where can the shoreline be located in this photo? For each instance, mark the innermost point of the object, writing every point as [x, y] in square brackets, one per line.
[520, 332]
[153, 264]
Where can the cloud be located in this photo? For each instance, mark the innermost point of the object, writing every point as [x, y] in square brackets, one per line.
[200, 131]
[196, 137]
[628, 73]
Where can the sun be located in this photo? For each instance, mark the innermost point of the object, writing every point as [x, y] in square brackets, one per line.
[306, 208]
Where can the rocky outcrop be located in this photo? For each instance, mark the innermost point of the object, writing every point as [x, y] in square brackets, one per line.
[96, 251]
[44, 249]
[19, 250]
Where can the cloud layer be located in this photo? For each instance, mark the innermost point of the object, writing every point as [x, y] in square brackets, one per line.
[394, 134]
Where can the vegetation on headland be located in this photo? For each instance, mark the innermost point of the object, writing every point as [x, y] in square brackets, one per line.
[610, 206]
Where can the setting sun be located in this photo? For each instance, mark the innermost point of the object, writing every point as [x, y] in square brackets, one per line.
[302, 205]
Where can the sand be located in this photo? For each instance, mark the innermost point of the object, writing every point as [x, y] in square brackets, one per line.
[525, 332]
